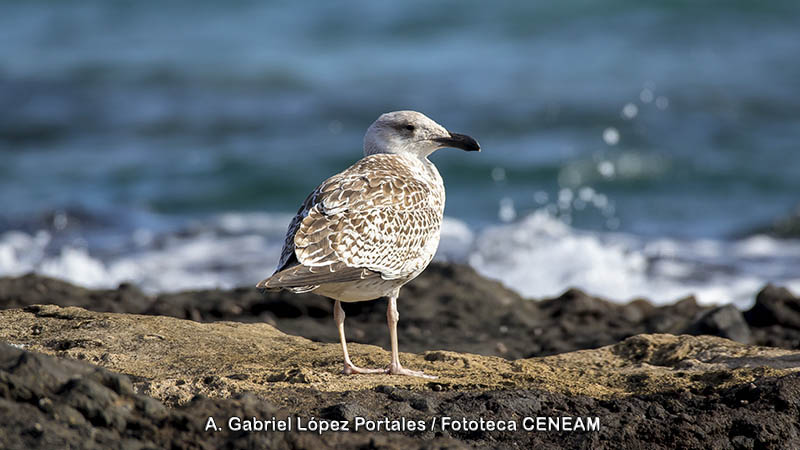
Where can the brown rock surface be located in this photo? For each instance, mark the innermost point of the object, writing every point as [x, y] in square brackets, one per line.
[647, 389]
[448, 307]
[174, 360]
[55, 403]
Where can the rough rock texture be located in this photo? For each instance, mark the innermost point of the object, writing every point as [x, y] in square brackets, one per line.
[51, 403]
[648, 390]
[448, 307]
[725, 321]
[34, 289]
[775, 318]
[173, 359]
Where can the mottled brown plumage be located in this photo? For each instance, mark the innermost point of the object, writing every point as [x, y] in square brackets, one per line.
[365, 232]
[377, 218]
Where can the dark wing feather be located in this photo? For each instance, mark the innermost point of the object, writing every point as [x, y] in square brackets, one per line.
[299, 276]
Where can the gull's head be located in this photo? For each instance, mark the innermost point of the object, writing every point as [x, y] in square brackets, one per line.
[412, 133]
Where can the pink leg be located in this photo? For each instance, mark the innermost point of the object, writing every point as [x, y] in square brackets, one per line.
[349, 367]
[392, 316]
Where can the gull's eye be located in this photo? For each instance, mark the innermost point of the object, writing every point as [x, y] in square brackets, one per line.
[410, 127]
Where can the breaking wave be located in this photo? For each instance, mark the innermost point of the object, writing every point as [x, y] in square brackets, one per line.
[538, 256]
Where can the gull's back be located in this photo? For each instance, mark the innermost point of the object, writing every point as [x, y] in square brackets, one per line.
[374, 226]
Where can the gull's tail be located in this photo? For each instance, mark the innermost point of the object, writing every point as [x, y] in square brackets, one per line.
[302, 278]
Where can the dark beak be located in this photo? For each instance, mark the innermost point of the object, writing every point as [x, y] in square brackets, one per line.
[461, 141]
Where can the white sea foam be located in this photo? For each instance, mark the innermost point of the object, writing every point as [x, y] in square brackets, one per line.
[225, 252]
[21, 252]
[539, 256]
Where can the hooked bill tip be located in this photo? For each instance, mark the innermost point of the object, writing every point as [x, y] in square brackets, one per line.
[462, 141]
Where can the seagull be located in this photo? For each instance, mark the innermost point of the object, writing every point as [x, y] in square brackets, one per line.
[367, 231]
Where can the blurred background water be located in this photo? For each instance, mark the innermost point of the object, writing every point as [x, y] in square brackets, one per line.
[629, 147]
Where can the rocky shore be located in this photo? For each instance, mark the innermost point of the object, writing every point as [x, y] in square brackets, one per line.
[118, 368]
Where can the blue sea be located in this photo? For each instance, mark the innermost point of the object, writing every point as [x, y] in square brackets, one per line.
[629, 148]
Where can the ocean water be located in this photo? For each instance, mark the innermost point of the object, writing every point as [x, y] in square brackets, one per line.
[629, 148]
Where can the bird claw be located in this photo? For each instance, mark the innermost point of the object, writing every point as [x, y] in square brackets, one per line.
[350, 369]
[391, 369]
[397, 369]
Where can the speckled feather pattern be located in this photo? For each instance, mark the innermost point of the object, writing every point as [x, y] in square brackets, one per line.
[382, 215]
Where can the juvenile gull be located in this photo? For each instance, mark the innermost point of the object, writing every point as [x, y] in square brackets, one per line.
[367, 231]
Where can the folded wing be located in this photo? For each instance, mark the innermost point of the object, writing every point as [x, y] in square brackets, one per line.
[374, 219]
